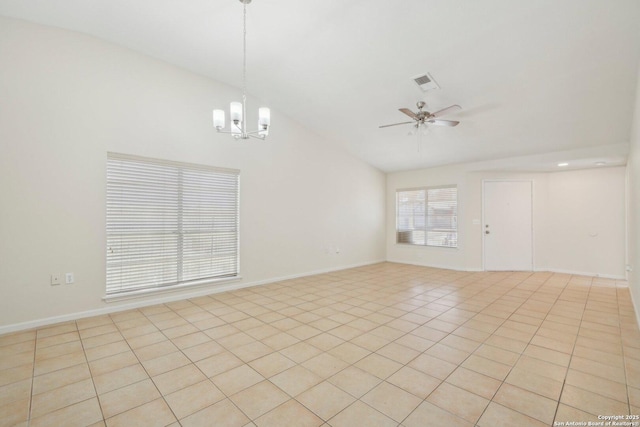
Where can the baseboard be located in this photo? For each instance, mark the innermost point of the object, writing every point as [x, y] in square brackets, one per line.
[235, 286]
[430, 265]
[119, 307]
[572, 272]
[581, 273]
[636, 307]
[167, 298]
[314, 272]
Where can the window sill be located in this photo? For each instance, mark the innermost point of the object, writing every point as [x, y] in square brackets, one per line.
[413, 245]
[167, 289]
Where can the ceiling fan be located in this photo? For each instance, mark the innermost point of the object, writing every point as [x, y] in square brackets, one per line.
[422, 117]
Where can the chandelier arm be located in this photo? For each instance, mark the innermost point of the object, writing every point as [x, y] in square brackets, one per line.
[251, 134]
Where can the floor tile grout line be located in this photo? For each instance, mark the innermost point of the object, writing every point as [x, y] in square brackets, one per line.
[521, 353]
[30, 418]
[588, 373]
[515, 363]
[93, 383]
[564, 382]
[228, 397]
[503, 381]
[269, 380]
[443, 380]
[496, 329]
[449, 285]
[336, 373]
[573, 353]
[33, 375]
[624, 361]
[530, 343]
[145, 370]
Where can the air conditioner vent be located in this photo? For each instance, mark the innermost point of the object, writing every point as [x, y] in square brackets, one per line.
[426, 82]
[422, 80]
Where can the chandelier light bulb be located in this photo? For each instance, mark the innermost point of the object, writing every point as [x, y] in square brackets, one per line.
[264, 118]
[218, 119]
[235, 110]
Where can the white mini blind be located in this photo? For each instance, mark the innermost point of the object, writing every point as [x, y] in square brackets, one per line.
[169, 223]
[427, 216]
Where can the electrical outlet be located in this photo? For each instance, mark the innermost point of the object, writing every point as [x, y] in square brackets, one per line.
[69, 279]
[55, 279]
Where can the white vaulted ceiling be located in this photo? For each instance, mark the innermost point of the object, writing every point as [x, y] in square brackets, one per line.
[533, 77]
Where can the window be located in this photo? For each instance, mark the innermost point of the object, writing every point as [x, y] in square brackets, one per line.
[169, 223]
[427, 216]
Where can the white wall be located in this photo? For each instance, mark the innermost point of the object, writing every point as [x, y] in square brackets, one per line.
[67, 99]
[633, 206]
[585, 225]
[569, 207]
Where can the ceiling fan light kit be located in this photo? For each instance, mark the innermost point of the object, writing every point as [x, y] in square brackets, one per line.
[238, 110]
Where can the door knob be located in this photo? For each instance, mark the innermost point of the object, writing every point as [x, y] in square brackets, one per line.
[487, 232]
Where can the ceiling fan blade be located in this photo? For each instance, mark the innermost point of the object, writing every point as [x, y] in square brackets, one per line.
[395, 124]
[409, 113]
[447, 110]
[440, 122]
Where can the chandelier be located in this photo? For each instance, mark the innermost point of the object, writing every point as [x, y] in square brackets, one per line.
[238, 110]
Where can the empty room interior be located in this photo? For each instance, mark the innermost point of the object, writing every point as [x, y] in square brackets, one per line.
[323, 213]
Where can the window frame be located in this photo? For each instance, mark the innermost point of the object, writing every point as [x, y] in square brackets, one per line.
[425, 219]
[185, 182]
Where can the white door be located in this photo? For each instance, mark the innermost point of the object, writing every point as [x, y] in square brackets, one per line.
[507, 228]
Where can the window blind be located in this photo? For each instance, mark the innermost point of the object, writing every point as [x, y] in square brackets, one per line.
[427, 216]
[169, 223]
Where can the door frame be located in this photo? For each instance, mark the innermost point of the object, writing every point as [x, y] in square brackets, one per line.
[533, 235]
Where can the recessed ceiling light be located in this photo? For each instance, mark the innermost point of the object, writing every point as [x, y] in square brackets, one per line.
[563, 164]
[600, 163]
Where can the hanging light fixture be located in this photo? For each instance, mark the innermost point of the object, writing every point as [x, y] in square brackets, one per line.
[238, 110]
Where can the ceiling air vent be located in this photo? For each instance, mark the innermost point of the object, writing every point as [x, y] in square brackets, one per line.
[426, 82]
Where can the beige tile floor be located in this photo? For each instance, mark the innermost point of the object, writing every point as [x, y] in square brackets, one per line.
[381, 345]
